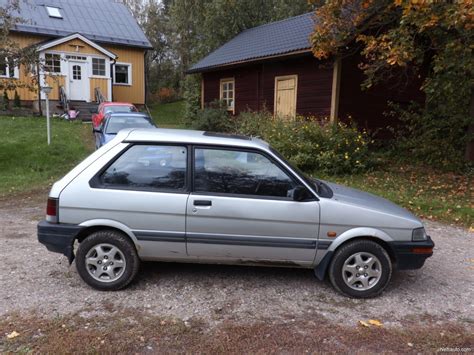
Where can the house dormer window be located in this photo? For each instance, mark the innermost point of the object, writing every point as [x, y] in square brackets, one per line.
[54, 12]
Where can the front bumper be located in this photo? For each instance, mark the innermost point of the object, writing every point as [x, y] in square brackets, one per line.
[412, 255]
[58, 238]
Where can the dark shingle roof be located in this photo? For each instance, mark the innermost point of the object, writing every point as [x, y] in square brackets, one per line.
[104, 21]
[276, 38]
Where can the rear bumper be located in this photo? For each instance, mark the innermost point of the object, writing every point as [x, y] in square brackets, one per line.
[412, 255]
[58, 238]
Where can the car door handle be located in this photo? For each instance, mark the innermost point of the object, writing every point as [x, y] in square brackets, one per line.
[202, 203]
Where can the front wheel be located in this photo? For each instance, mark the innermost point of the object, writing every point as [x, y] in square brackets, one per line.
[107, 260]
[360, 269]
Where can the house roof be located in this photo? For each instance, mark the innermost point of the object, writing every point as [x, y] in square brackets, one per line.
[273, 39]
[53, 43]
[104, 21]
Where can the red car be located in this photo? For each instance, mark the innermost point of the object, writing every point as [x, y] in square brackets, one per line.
[111, 107]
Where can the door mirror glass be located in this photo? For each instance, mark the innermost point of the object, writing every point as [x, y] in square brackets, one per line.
[299, 193]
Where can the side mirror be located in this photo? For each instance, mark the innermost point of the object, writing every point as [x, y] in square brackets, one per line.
[299, 193]
[97, 130]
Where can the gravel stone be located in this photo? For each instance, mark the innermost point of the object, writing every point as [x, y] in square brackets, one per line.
[33, 279]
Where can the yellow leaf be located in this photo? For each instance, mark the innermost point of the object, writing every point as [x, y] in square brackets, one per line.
[365, 324]
[13, 334]
[375, 322]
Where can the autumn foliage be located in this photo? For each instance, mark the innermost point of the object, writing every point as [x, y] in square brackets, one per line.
[430, 39]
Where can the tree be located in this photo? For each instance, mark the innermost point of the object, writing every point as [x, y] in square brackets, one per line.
[432, 38]
[11, 55]
[201, 26]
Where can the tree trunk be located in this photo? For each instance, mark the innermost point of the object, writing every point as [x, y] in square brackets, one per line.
[470, 132]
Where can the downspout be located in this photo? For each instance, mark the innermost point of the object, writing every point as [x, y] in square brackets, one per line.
[335, 91]
[112, 78]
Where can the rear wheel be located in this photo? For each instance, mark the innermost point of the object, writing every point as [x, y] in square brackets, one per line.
[360, 269]
[107, 260]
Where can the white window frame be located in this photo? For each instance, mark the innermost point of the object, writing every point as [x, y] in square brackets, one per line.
[16, 71]
[61, 59]
[54, 12]
[129, 74]
[221, 93]
[105, 68]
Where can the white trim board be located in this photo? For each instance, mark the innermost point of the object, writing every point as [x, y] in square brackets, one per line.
[80, 37]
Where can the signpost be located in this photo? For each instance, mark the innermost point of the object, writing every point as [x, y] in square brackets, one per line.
[47, 90]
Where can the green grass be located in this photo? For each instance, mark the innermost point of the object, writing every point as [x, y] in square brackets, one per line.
[169, 115]
[430, 194]
[27, 162]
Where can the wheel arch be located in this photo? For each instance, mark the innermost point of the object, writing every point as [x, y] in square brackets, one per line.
[372, 234]
[95, 225]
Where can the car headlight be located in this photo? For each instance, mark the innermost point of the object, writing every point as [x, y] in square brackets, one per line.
[419, 234]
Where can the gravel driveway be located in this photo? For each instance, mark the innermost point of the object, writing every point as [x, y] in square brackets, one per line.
[35, 280]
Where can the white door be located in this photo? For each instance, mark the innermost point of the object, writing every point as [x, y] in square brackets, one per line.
[78, 81]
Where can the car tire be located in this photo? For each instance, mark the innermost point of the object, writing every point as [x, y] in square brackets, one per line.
[360, 269]
[107, 260]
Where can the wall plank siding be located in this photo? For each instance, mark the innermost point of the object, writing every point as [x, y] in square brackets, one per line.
[255, 85]
[255, 82]
[134, 93]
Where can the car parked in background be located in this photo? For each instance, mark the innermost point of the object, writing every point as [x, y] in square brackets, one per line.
[191, 196]
[111, 107]
[114, 122]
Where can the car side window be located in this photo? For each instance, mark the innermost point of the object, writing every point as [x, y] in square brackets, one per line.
[239, 172]
[147, 167]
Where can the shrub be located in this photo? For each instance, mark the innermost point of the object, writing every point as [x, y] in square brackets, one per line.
[165, 95]
[5, 101]
[16, 100]
[312, 145]
[214, 118]
[192, 96]
[428, 138]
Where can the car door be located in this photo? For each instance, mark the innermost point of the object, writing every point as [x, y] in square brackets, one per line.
[241, 209]
[146, 189]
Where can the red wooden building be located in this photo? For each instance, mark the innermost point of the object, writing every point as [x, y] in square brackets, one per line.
[272, 67]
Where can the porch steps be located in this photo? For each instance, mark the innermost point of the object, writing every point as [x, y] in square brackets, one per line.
[85, 109]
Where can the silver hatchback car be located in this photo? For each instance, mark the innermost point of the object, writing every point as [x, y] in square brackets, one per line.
[191, 196]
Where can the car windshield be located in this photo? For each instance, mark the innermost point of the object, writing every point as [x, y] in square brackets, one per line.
[311, 182]
[119, 108]
[116, 124]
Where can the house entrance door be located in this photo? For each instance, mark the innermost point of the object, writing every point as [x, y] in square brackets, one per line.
[78, 81]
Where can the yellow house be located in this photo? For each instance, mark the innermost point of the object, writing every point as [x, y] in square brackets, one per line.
[88, 50]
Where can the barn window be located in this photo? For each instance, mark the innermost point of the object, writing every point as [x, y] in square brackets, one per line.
[227, 93]
[52, 62]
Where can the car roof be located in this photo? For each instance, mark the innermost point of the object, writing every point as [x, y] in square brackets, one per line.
[127, 114]
[117, 104]
[166, 135]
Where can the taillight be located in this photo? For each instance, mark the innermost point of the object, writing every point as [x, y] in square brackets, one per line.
[52, 210]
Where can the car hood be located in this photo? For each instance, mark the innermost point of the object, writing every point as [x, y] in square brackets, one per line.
[369, 202]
